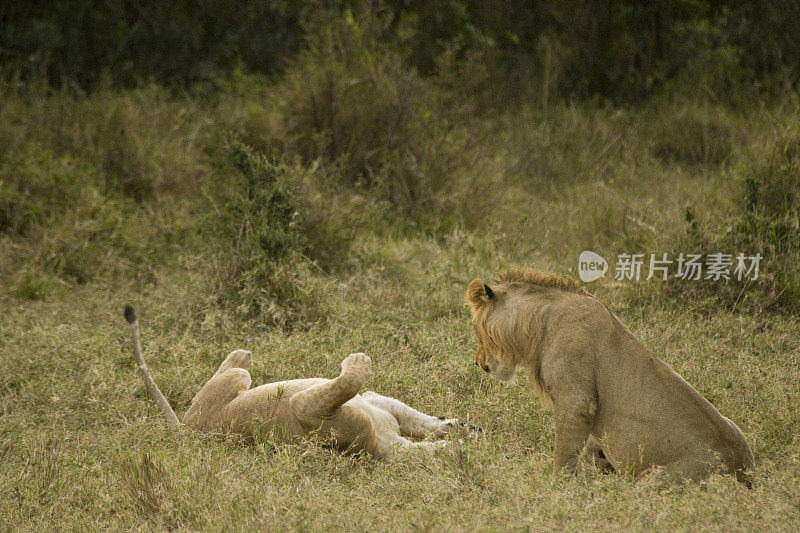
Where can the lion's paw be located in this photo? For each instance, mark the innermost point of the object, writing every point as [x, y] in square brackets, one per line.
[454, 425]
[357, 363]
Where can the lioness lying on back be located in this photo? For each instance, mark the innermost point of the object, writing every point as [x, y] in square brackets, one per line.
[334, 408]
[601, 382]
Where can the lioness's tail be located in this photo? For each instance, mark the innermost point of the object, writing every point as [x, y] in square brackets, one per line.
[152, 389]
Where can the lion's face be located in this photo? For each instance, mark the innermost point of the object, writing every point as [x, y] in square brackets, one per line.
[489, 356]
[490, 364]
[496, 369]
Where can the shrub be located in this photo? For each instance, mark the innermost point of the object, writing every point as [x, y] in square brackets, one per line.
[350, 102]
[36, 186]
[261, 272]
[93, 187]
[768, 223]
[176, 43]
[693, 135]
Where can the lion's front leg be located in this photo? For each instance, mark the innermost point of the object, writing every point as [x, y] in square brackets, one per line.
[568, 382]
[415, 424]
[574, 412]
[572, 430]
[318, 403]
[598, 456]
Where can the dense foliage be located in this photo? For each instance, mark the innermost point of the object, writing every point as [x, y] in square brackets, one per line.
[620, 49]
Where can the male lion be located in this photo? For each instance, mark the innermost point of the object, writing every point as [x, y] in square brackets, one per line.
[602, 384]
[290, 409]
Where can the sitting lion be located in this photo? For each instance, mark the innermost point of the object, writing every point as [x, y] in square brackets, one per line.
[353, 422]
[602, 384]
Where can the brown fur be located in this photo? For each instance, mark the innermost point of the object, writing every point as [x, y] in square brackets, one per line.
[603, 385]
[290, 409]
[334, 408]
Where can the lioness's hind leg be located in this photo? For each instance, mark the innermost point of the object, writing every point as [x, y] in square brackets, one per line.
[416, 424]
[218, 392]
[320, 402]
[236, 359]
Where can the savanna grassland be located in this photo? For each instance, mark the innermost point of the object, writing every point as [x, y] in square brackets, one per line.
[343, 204]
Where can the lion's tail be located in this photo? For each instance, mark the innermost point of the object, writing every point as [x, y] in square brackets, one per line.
[152, 389]
[744, 474]
[743, 463]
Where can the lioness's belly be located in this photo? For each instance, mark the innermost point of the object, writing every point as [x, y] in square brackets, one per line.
[264, 411]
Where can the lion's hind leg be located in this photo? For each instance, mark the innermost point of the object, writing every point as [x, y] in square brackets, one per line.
[416, 424]
[597, 455]
[317, 404]
[361, 426]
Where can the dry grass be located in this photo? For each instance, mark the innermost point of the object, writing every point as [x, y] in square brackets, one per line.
[83, 448]
[82, 444]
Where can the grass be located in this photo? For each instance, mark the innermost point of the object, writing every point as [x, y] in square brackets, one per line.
[82, 447]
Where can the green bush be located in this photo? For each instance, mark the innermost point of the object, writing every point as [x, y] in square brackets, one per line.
[767, 223]
[175, 43]
[143, 143]
[94, 187]
[261, 272]
[770, 223]
[36, 186]
[334, 216]
[350, 102]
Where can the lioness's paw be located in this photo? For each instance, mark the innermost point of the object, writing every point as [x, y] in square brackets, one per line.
[237, 359]
[358, 363]
[454, 425]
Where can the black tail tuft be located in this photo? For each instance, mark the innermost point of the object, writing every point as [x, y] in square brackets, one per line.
[130, 314]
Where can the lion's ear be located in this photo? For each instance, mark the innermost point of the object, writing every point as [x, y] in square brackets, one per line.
[479, 294]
